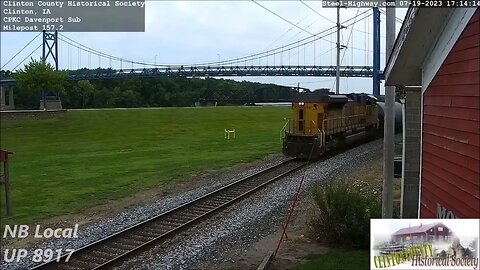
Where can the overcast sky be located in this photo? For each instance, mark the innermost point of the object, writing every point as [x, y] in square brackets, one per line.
[186, 32]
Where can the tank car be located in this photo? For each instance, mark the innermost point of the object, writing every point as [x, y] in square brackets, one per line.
[398, 115]
[322, 121]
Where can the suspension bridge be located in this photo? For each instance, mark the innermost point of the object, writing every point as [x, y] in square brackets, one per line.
[272, 62]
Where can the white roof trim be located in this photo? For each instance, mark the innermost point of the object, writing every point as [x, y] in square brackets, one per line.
[400, 40]
[454, 27]
[421, 32]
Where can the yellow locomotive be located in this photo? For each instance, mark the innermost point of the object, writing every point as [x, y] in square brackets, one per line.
[322, 121]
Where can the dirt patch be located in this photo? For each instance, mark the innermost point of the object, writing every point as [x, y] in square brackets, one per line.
[301, 242]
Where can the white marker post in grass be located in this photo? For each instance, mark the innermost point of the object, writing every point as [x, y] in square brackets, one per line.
[228, 133]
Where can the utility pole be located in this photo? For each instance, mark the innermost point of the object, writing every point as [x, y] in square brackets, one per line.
[389, 120]
[337, 82]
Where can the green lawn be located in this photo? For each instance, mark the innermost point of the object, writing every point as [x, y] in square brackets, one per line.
[339, 260]
[86, 158]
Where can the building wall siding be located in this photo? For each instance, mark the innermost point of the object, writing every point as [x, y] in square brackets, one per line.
[451, 131]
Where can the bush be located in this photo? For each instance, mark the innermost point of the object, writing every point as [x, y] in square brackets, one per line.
[343, 213]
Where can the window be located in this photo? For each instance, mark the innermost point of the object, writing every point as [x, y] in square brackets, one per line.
[440, 229]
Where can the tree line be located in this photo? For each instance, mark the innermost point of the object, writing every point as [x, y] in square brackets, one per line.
[37, 78]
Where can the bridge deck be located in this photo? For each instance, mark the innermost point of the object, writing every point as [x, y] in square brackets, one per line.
[220, 71]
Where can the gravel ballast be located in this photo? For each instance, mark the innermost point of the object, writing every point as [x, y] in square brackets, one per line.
[240, 225]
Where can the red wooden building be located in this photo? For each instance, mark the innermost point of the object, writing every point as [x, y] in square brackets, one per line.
[437, 57]
[424, 233]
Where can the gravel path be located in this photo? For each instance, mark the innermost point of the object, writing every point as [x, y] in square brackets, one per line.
[240, 225]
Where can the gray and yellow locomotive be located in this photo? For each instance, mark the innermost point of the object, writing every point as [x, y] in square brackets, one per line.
[322, 121]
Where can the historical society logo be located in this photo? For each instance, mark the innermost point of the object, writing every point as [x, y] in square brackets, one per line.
[424, 244]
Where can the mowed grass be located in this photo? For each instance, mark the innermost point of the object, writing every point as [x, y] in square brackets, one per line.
[358, 259]
[86, 158]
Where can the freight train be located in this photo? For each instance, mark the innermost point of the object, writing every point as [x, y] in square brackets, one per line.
[323, 121]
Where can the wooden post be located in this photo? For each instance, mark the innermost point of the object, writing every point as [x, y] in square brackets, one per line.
[6, 181]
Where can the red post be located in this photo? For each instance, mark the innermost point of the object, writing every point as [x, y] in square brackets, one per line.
[4, 159]
[292, 206]
[290, 213]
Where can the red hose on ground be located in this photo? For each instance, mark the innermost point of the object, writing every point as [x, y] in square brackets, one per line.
[292, 207]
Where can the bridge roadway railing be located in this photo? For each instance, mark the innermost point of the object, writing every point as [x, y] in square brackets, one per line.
[208, 71]
[218, 71]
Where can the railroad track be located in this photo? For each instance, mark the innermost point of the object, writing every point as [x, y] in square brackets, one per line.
[118, 247]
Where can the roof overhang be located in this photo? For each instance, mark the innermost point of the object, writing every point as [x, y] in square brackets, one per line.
[417, 36]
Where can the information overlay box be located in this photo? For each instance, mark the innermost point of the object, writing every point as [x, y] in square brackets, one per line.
[423, 244]
[400, 3]
[366, 3]
[72, 16]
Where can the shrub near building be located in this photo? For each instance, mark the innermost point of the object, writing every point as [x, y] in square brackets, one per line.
[343, 212]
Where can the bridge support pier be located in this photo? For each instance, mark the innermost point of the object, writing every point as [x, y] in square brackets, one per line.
[50, 102]
[11, 102]
[2, 98]
[6, 106]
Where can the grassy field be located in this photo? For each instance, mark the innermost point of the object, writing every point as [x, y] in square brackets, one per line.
[338, 260]
[69, 164]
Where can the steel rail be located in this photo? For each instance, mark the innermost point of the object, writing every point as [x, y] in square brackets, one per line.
[122, 245]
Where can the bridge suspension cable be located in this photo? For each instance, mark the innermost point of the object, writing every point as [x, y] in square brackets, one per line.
[286, 32]
[251, 57]
[21, 50]
[356, 30]
[303, 29]
[317, 12]
[292, 45]
[299, 32]
[27, 56]
[88, 49]
[96, 52]
[264, 54]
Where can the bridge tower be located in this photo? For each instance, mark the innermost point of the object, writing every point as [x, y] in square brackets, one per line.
[50, 47]
[376, 51]
[50, 100]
